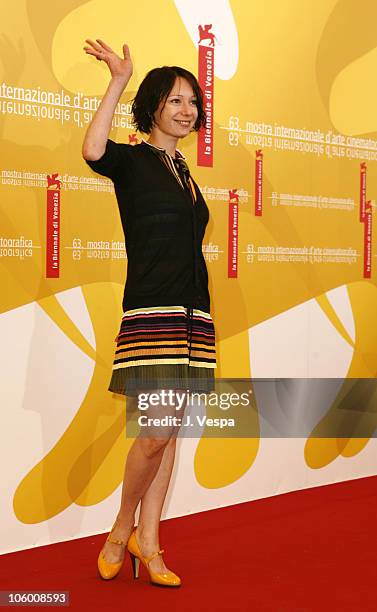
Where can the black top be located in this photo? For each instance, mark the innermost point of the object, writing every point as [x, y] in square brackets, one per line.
[163, 229]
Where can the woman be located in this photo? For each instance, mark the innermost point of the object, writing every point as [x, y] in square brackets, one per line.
[166, 339]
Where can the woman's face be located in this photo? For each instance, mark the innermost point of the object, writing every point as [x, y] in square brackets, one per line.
[177, 115]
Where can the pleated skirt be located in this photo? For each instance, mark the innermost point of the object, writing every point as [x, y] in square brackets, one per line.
[169, 347]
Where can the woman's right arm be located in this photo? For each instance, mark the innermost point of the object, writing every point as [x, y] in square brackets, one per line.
[97, 134]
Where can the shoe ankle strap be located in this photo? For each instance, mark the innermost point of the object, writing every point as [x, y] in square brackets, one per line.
[114, 541]
[149, 559]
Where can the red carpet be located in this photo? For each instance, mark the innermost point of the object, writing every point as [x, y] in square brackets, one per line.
[312, 550]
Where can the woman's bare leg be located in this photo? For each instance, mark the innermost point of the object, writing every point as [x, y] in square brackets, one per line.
[139, 472]
[143, 462]
[151, 508]
[147, 533]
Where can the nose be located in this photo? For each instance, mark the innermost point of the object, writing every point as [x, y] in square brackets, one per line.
[186, 108]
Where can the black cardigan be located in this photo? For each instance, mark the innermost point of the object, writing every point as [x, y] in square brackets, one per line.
[163, 229]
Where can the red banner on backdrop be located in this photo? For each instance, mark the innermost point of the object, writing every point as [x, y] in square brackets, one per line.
[363, 189]
[368, 240]
[206, 67]
[53, 227]
[258, 183]
[233, 234]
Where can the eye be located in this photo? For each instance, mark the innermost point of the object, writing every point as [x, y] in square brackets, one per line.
[194, 102]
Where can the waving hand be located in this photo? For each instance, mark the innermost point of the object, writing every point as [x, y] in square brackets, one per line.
[119, 67]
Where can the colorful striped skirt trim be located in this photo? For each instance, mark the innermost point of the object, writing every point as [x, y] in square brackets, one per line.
[164, 347]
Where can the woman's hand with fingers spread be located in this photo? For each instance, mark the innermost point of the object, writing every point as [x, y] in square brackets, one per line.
[119, 67]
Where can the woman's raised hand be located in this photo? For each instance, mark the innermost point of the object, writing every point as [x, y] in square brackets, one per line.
[119, 68]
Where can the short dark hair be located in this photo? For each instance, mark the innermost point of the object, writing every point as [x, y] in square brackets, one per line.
[155, 87]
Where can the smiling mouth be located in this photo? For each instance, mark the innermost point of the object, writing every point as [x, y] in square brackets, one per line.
[183, 123]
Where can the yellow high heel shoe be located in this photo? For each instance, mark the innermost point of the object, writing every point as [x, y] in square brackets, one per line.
[109, 570]
[166, 579]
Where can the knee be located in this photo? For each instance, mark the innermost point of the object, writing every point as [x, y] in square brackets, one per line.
[152, 446]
